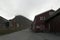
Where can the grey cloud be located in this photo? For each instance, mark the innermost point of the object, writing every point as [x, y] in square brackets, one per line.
[27, 8]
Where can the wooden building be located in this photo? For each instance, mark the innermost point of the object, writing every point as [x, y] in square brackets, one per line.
[39, 21]
[54, 21]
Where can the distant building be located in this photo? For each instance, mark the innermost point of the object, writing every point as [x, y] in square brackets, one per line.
[13, 24]
[20, 22]
[3, 23]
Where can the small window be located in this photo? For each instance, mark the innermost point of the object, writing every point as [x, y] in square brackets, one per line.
[17, 25]
[42, 18]
[50, 13]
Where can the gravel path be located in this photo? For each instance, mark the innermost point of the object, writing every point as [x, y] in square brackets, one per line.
[28, 35]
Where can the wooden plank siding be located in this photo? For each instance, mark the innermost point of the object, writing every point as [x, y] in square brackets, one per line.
[40, 20]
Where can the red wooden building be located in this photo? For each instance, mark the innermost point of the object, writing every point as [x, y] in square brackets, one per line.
[39, 21]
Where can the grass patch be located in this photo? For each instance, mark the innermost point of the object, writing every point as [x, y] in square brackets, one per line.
[5, 31]
[8, 31]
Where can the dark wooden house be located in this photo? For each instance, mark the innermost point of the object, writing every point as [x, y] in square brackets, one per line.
[39, 21]
[54, 21]
[3, 22]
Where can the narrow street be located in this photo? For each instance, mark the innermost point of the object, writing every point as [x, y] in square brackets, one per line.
[28, 35]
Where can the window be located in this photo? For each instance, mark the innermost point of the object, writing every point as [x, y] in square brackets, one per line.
[42, 18]
[50, 13]
[17, 25]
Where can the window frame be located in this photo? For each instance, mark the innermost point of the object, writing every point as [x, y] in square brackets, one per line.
[42, 17]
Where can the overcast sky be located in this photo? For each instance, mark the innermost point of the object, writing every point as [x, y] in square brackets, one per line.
[27, 8]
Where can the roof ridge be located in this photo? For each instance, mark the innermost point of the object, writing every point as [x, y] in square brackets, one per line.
[45, 12]
[51, 17]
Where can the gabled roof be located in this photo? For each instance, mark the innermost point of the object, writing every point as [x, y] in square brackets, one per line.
[56, 13]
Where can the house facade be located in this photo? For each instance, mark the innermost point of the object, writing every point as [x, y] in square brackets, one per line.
[39, 21]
